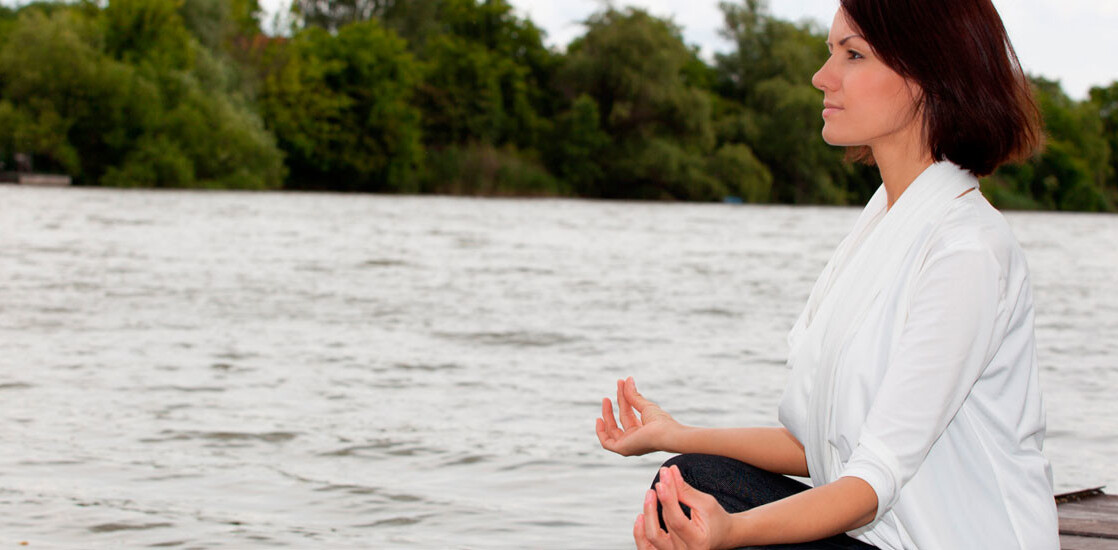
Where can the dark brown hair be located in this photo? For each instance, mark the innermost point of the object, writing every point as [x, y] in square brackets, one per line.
[977, 104]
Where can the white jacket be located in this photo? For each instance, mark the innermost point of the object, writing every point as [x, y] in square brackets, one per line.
[914, 368]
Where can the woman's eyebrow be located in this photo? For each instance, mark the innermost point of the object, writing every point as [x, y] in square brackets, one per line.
[843, 41]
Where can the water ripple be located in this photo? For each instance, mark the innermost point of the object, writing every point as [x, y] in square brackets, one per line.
[114, 527]
[230, 437]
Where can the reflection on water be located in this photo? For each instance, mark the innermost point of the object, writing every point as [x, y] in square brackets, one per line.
[264, 370]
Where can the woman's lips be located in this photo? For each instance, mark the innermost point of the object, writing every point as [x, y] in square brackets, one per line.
[830, 109]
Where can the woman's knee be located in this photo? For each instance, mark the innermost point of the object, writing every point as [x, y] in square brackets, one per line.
[699, 470]
[685, 462]
[737, 486]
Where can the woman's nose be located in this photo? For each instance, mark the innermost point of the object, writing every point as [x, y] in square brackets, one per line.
[824, 79]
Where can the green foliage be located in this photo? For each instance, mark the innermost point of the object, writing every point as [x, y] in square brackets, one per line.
[576, 145]
[810, 171]
[93, 96]
[766, 48]
[1072, 171]
[340, 107]
[1104, 103]
[463, 96]
[482, 169]
[741, 173]
[44, 131]
[636, 69]
[633, 65]
[487, 74]
[153, 162]
[228, 145]
[332, 15]
[245, 16]
[52, 71]
[138, 31]
[207, 20]
[775, 111]
[214, 22]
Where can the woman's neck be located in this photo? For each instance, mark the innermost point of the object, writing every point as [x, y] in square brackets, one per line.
[900, 162]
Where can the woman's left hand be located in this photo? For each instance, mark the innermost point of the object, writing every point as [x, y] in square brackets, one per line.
[708, 526]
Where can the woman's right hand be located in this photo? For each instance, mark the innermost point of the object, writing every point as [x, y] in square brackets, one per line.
[637, 435]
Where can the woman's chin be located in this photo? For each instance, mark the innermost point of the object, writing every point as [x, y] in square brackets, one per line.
[838, 140]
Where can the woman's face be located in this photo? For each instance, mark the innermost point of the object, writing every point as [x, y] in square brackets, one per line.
[866, 102]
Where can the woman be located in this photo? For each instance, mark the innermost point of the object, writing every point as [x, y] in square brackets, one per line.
[913, 401]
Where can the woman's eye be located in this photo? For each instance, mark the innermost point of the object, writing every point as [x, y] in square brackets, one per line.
[854, 54]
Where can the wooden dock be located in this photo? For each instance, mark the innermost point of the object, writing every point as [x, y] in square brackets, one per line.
[36, 179]
[1088, 520]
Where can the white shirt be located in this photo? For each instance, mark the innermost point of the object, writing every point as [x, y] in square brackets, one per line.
[914, 369]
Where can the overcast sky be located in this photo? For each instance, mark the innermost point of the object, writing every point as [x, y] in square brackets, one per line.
[1073, 41]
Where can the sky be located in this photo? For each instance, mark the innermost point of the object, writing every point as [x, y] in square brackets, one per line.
[1073, 41]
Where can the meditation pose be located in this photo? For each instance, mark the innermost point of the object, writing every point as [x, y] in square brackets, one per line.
[913, 400]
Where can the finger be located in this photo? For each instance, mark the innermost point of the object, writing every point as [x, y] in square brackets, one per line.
[607, 416]
[603, 437]
[638, 534]
[624, 410]
[633, 396]
[685, 493]
[666, 491]
[697, 529]
[652, 530]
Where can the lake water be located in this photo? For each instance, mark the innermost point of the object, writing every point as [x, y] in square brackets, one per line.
[261, 370]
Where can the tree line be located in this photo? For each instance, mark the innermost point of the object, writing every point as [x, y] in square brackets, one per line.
[464, 97]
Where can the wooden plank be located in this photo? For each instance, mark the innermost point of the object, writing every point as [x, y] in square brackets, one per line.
[1080, 494]
[1095, 516]
[1072, 542]
[44, 180]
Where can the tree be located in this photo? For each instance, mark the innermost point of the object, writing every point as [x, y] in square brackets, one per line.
[339, 106]
[487, 74]
[104, 107]
[1072, 170]
[463, 93]
[741, 173]
[214, 22]
[332, 15]
[765, 48]
[1105, 104]
[577, 144]
[634, 66]
[94, 106]
[148, 31]
[768, 77]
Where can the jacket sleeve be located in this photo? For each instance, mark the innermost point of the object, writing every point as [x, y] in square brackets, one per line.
[949, 336]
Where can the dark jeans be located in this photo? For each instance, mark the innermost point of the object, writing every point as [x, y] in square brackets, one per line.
[737, 486]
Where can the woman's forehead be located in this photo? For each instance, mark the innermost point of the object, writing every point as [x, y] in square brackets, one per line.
[841, 31]
[840, 27]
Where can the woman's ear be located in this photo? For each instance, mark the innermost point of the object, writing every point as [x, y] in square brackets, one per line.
[916, 98]
[915, 91]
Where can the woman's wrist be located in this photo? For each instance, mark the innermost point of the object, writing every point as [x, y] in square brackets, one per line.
[738, 533]
[674, 439]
